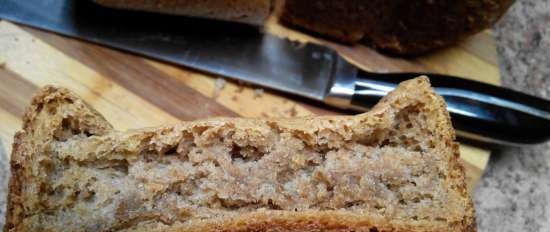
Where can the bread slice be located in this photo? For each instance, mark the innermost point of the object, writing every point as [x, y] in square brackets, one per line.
[245, 11]
[394, 168]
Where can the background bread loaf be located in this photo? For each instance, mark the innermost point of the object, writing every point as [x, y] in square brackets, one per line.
[245, 11]
[397, 26]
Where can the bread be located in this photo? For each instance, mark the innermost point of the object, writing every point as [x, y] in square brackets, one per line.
[398, 26]
[245, 11]
[394, 168]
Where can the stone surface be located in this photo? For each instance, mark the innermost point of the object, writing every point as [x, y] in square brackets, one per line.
[4, 176]
[514, 193]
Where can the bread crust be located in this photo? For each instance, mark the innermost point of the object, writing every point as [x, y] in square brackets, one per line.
[246, 11]
[307, 222]
[39, 127]
[34, 128]
[398, 27]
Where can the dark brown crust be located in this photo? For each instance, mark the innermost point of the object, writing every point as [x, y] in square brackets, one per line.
[245, 11]
[399, 27]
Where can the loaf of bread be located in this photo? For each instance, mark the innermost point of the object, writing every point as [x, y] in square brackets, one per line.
[397, 26]
[401, 27]
[244, 11]
[394, 168]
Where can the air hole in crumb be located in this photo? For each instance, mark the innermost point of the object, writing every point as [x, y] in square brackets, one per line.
[52, 110]
[121, 166]
[199, 130]
[392, 187]
[90, 196]
[87, 133]
[373, 229]
[245, 154]
[232, 204]
[272, 205]
[39, 108]
[171, 151]
[68, 128]
[354, 203]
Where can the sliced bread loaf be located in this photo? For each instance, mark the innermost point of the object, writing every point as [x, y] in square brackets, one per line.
[394, 168]
[244, 11]
[397, 26]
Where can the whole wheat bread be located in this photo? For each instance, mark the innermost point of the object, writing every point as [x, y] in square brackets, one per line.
[245, 11]
[394, 168]
[397, 26]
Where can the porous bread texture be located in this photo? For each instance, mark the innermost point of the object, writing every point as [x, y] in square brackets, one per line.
[393, 168]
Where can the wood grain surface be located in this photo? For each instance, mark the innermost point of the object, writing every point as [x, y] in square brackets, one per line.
[133, 91]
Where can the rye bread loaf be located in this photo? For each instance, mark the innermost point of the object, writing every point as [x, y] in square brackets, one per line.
[245, 11]
[394, 168]
[397, 26]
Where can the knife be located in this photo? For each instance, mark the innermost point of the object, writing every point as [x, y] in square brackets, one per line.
[479, 111]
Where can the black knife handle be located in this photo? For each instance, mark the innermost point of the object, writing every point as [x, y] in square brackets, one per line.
[479, 111]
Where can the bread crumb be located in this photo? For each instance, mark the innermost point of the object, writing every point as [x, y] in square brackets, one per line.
[220, 84]
[234, 98]
[240, 89]
[258, 93]
[293, 112]
[264, 115]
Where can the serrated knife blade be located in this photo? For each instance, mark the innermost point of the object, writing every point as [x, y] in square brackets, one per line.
[229, 50]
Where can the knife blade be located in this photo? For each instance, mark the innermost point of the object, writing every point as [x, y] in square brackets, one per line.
[481, 112]
[226, 49]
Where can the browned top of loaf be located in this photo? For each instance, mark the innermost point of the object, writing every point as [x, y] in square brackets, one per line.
[400, 26]
[245, 11]
[60, 122]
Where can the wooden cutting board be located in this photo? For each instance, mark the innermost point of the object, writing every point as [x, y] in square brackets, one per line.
[133, 91]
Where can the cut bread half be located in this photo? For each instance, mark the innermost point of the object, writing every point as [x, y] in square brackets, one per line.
[394, 168]
[253, 12]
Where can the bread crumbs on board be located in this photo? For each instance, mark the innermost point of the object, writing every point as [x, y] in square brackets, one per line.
[220, 84]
